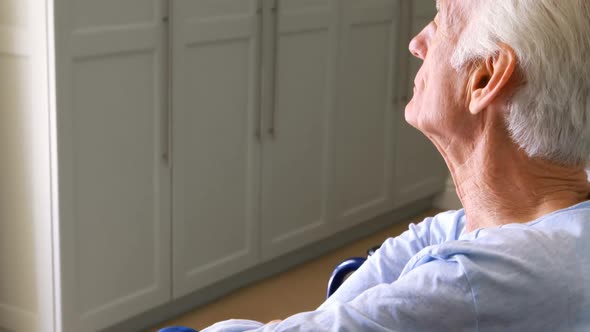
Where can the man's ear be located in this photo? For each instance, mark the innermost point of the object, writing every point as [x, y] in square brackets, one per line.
[488, 79]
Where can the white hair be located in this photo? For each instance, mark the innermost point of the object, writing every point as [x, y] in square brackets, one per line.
[549, 114]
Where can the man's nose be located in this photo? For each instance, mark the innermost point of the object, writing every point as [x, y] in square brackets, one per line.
[418, 46]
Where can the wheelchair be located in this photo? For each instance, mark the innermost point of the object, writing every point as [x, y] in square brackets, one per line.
[341, 271]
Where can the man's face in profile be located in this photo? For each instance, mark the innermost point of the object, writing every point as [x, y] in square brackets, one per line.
[439, 90]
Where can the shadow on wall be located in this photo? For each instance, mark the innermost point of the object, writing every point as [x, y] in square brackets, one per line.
[19, 300]
[17, 260]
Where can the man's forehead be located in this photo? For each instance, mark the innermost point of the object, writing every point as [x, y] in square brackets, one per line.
[453, 14]
[454, 10]
[453, 5]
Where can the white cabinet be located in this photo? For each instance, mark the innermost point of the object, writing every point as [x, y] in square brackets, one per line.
[283, 127]
[297, 123]
[112, 183]
[173, 144]
[328, 164]
[363, 115]
[216, 157]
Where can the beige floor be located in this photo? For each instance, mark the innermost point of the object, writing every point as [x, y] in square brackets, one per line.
[300, 289]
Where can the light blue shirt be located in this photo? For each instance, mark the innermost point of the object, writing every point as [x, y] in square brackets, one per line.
[436, 277]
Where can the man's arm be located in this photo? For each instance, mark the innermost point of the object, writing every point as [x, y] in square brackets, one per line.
[386, 265]
[434, 296]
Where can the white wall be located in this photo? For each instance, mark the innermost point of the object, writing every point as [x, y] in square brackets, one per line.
[25, 223]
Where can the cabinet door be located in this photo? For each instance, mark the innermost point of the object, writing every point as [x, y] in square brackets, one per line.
[363, 117]
[113, 228]
[215, 80]
[297, 109]
[420, 170]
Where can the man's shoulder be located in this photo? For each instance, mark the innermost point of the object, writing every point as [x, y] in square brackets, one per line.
[546, 247]
[556, 229]
[546, 258]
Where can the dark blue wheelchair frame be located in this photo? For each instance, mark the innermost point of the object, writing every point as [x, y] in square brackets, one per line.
[344, 269]
[339, 274]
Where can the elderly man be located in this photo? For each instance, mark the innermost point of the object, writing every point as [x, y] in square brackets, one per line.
[504, 94]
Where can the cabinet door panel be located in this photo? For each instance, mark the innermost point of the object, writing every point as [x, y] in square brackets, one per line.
[114, 186]
[114, 190]
[216, 155]
[296, 157]
[363, 119]
[420, 170]
[109, 13]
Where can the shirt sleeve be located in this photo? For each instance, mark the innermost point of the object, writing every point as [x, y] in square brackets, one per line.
[386, 265]
[435, 296]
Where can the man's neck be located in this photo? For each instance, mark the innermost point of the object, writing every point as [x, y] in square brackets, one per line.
[498, 184]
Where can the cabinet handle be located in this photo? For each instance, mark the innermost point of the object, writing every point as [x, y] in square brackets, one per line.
[260, 20]
[273, 95]
[167, 75]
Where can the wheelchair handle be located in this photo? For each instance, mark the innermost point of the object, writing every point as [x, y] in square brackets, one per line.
[341, 271]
